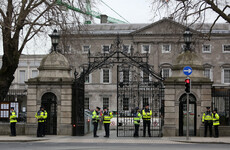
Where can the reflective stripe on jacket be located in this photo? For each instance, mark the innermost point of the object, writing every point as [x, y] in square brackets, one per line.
[13, 117]
[146, 115]
[41, 116]
[95, 116]
[215, 119]
[207, 116]
[107, 116]
[137, 118]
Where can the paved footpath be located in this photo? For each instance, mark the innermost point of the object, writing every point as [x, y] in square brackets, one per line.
[114, 139]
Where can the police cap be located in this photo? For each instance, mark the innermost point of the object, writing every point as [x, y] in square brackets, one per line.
[12, 108]
[104, 107]
[98, 108]
[208, 107]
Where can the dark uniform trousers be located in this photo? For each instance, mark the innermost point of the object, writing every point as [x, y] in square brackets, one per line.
[136, 130]
[208, 124]
[216, 131]
[95, 124]
[106, 126]
[43, 128]
[40, 129]
[13, 128]
[146, 123]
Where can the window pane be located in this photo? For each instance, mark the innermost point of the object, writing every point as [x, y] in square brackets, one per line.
[165, 72]
[125, 75]
[105, 102]
[145, 77]
[226, 75]
[145, 48]
[125, 48]
[166, 48]
[145, 101]
[206, 48]
[86, 48]
[207, 72]
[87, 79]
[106, 49]
[105, 76]
[226, 48]
[22, 77]
[34, 73]
[125, 103]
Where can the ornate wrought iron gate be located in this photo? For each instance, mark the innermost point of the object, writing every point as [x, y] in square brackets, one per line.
[135, 90]
[78, 96]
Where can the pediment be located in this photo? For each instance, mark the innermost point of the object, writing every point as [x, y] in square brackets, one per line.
[164, 26]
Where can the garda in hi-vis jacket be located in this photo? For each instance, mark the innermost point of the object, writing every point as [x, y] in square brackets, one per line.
[146, 115]
[207, 116]
[13, 117]
[96, 116]
[107, 116]
[215, 118]
[137, 118]
[41, 116]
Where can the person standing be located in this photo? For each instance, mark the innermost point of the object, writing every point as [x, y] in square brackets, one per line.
[41, 116]
[44, 123]
[146, 116]
[137, 119]
[107, 116]
[216, 122]
[13, 120]
[96, 119]
[207, 120]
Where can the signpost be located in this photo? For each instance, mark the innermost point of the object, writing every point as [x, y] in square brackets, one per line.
[187, 71]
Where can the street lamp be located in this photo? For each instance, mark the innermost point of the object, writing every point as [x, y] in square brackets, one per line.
[54, 39]
[187, 38]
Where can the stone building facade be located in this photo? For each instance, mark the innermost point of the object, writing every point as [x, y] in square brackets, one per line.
[163, 40]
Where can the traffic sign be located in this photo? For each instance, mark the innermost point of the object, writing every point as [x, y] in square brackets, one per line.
[187, 70]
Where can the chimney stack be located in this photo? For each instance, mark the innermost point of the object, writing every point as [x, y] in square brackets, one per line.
[104, 19]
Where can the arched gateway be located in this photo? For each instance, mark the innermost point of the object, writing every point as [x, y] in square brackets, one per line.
[137, 85]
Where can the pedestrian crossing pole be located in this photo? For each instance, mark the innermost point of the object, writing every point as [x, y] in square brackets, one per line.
[187, 90]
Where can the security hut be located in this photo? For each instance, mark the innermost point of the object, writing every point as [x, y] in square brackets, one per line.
[51, 89]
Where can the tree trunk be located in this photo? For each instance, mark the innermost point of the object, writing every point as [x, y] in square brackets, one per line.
[10, 62]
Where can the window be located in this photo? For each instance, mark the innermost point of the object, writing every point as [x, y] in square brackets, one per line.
[166, 48]
[166, 72]
[145, 49]
[226, 48]
[85, 48]
[106, 76]
[88, 78]
[105, 49]
[126, 48]
[125, 75]
[22, 76]
[4, 110]
[125, 103]
[106, 102]
[226, 75]
[145, 77]
[206, 48]
[208, 73]
[34, 73]
[86, 103]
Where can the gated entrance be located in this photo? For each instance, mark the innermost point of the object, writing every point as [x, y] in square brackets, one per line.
[49, 101]
[137, 85]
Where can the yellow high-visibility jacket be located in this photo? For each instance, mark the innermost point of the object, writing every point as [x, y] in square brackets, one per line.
[215, 119]
[13, 117]
[107, 116]
[41, 116]
[96, 116]
[137, 118]
[146, 115]
[207, 116]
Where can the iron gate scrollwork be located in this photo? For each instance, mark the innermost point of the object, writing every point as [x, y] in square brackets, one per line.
[134, 90]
